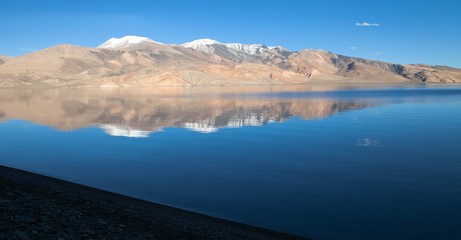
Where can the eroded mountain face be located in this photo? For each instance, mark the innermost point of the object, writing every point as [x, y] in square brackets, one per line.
[138, 61]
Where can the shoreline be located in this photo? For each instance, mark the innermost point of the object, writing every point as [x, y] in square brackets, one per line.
[313, 83]
[34, 206]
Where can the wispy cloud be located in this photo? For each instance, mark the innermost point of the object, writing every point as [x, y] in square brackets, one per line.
[354, 48]
[366, 24]
[27, 49]
[377, 53]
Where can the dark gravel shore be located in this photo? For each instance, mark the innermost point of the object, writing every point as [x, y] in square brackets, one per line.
[38, 207]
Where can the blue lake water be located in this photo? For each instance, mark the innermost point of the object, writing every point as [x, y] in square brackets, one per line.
[347, 163]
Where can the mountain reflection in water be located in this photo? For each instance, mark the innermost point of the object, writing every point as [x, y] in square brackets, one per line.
[135, 113]
[347, 163]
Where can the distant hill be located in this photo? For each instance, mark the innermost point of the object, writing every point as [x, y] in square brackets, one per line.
[139, 61]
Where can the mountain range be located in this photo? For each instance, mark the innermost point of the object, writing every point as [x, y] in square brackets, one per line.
[140, 61]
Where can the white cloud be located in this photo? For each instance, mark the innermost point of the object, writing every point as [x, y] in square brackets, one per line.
[366, 24]
[377, 53]
[354, 48]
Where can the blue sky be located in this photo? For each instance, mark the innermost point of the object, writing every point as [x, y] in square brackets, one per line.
[403, 31]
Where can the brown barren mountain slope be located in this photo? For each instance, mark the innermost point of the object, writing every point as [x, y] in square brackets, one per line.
[148, 63]
[3, 59]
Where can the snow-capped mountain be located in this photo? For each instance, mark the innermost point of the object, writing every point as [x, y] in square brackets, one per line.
[140, 61]
[203, 45]
[236, 52]
[207, 45]
[250, 49]
[123, 42]
[239, 52]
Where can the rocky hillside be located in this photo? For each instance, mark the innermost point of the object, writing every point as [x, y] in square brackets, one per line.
[139, 61]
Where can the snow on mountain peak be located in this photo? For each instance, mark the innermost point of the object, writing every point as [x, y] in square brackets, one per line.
[207, 45]
[117, 43]
[203, 41]
[277, 47]
[203, 45]
[250, 49]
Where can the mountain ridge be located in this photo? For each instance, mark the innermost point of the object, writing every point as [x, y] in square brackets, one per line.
[140, 61]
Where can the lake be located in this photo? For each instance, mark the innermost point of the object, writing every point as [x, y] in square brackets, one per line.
[324, 162]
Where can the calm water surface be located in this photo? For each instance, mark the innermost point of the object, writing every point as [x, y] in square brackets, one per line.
[343, 164]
